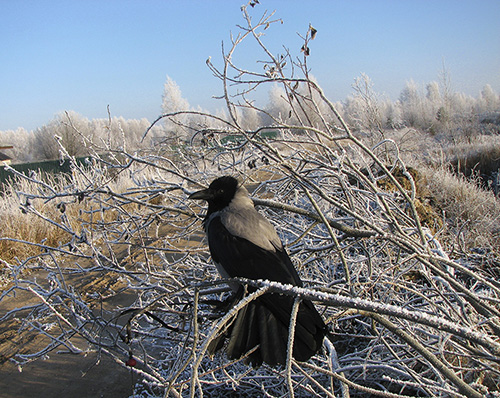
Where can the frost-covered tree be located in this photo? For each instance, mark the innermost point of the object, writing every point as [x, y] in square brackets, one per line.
[391, 113]
[363, 108]
[172, 97]
[489, 101]
[118, 132]
[278, 106]
[354, 112]
[411, 104]
[307, 104]
[172, 102]
[433, 93]
[419, 111]
[295, 103]
[22, 142]
[434, 109]
[68, 128]
[250, 118]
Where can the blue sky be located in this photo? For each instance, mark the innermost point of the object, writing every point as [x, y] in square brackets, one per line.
[85, 55]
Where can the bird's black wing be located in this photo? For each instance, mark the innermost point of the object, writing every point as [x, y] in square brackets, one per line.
[241, 258]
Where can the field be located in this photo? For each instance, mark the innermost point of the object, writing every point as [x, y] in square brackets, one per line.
[108, 265]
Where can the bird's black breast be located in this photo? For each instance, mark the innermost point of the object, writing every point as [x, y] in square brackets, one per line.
[241, 258]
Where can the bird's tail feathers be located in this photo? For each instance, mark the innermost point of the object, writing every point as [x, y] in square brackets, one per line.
[257, 325]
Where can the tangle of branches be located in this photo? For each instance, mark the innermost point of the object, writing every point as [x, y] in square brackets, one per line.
[407, 319]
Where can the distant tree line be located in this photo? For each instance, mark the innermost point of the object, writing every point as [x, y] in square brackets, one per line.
[77, 134]
[437, 110]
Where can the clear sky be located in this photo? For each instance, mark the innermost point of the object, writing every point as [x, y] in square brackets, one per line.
[84, 55]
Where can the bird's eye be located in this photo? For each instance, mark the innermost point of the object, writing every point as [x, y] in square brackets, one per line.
[220, 192]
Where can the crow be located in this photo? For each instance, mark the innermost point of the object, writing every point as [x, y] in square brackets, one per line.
[244, 244]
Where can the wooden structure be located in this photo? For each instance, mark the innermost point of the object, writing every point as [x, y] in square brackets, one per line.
[4, 159]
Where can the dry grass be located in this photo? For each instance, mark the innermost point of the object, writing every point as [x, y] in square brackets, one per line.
[21, 225]
[473, 214]
[34, 217]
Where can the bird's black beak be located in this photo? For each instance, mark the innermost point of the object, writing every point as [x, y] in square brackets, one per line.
[204, 194]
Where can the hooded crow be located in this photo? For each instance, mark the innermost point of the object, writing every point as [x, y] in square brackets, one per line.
[244, 244]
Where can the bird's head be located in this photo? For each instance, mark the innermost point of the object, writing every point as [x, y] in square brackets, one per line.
[219, 194]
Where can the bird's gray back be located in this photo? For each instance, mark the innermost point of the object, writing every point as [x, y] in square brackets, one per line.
[241, 219]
